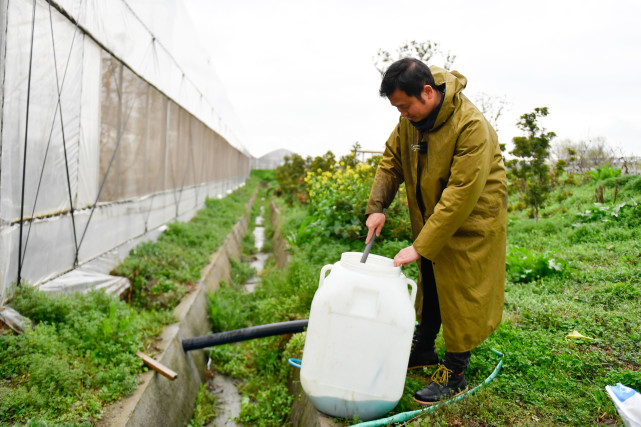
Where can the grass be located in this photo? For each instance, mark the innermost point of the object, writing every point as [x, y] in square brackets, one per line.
[80, 355]
[205, 411]
[547, 379]
[161, 272]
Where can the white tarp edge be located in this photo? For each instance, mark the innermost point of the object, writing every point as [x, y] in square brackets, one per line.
[83, 281]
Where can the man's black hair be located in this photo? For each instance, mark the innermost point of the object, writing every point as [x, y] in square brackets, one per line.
[409, 75]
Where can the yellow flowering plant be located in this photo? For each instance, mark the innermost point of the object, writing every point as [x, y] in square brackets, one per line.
[338, 199]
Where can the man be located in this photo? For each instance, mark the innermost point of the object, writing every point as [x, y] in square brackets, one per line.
[448, 155]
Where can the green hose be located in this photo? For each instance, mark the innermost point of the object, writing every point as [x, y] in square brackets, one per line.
[404, 416]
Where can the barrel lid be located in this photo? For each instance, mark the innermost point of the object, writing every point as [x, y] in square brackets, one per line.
[375, 264]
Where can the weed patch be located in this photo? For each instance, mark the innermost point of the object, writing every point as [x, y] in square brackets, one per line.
[523, 265]
[205, 411]
[81, 353]
[161, 272]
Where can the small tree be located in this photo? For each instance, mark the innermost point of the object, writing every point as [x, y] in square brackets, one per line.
[492, 107]
[423, 51]
[324, 162]
[290, 177]
[291, 174]
[529, 171]
[350, 159]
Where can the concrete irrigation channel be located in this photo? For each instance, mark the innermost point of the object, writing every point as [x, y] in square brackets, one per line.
[159, 401]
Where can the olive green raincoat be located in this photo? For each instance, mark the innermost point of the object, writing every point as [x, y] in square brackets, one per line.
[463, 228]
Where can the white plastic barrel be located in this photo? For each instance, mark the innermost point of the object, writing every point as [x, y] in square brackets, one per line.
[359, 337]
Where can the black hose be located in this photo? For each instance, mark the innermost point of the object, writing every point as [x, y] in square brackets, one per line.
[244, 334]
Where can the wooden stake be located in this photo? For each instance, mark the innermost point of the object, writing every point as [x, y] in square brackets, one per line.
[157, 366]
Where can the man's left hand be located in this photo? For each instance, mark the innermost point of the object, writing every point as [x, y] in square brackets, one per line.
[405, 256]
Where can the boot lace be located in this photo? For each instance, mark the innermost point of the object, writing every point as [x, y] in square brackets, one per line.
[442, 375]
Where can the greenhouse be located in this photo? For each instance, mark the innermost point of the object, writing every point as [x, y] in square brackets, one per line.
[112, 126]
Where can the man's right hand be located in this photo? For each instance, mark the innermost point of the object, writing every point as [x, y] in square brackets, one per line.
[374, 224]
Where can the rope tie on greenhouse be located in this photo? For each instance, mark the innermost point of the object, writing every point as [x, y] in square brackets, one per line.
[62, 128]
[26, 132]
[58, 108]
[160, 175]
[173, 192]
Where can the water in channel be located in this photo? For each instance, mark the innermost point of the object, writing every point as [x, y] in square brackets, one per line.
[223, 386]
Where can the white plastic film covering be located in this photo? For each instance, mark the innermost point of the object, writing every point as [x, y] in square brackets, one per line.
[156, 39]
[148, 143]
[118, 130]
[3, 32]
[51, 130]
[89, 153]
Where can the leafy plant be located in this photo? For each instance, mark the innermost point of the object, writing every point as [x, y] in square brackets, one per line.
[523, 265]
[291, 174]
[240, 272]
[624, 212]
[307, 230]
[604, 172]
[290, 177]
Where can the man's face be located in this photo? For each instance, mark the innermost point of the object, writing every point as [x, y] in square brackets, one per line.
[412, 107]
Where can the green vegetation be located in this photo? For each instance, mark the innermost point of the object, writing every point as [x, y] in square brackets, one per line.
[338, 197]
[605, 172]
[291, 176]
[79, 356]
[205, 407]
[81, 353]
[548, 379]
[161, 272]
[577, 269]
[568, 272]
[524, 266]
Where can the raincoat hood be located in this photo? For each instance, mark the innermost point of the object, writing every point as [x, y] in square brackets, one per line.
[454, 83]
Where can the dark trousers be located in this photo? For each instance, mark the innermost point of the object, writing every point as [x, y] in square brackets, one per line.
[431, 322]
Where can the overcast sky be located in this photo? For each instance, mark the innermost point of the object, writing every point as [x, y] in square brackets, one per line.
[300, 74]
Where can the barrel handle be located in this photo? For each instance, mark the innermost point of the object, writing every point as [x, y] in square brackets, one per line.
[322, 274]
[413, 285]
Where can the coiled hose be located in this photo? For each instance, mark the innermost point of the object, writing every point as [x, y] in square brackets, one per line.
[405, 416]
